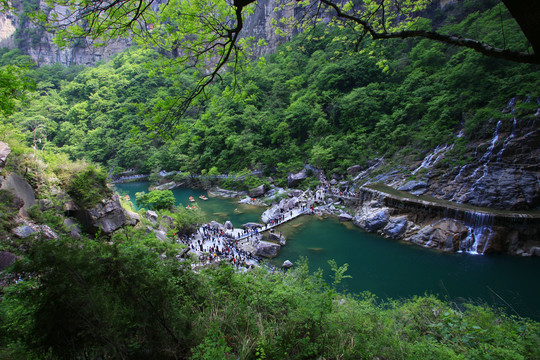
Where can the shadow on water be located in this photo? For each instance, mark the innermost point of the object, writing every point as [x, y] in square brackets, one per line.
[385, 267]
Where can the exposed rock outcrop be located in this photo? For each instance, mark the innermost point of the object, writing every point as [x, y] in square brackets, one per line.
[295, 179]
[105, 217]
[20, 188]
[4, 153]
[258, 191]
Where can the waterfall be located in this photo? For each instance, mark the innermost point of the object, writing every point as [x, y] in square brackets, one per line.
[479, 228]
[507, 140]
[489, 151]
[434, 157]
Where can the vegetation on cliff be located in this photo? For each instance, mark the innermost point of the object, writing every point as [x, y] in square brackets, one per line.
[312, 102]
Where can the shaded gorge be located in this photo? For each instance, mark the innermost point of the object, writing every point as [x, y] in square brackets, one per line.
[385, 267]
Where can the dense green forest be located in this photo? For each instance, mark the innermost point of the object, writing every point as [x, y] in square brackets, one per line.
[313, 101]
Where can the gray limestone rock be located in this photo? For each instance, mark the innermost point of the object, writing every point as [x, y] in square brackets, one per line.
[535, 250]
[376, 221]
[132, 218]
[228, 225]
[4, 153]
[345, 217]
[258, 191]
[267, 249]
[270, 214]
[275, 237]
[20, 188]
[252, 225]
[161, 235]
[152, 216]
[295, 179]
[395, 227]
[73, 227]
[23, 231]
[47, 232]
[215, 225]
[166, 223]
[70, 208]
[353, 170]
[414, 185]
[105, 217]
[287, 264]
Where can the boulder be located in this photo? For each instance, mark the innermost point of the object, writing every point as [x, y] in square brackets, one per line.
[295, 179]
[152, 216]
[4, 153]
[228, 225]
[161, 235]
[47, 232]
[535, 251]
[353, 170]
[345, 217]
[292, 203]
[132, 218]
[445, 234]
[70, 208]
[333, 182]
[20, 188]
[23, 231]
[45, 204]
[287, 264]
[267, 249]
[296, 193]
[270, 214]
[105, 217]
[73, 227]
[215, 225]
[395, 227]
[275, 237]
[167, 223]
[258, 191]
[252, 225]
[376, 221]
[413, 185]
[6, 259]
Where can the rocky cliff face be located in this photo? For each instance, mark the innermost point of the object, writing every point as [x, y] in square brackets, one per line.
[16, 31]
[38, 44]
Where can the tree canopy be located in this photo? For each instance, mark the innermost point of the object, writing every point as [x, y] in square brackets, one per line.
[205, 36]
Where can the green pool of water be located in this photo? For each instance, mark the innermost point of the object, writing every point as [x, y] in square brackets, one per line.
[385, 267]
[214, 208]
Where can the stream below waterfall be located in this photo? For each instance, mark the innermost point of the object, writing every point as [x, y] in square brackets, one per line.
[385, 267]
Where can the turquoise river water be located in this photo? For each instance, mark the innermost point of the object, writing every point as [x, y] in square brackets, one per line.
[385, 267]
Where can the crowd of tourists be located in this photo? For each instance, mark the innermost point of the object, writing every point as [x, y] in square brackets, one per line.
[213, 244]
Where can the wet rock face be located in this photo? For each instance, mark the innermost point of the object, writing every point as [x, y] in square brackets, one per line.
[444, 234]
[106, 217]
[376, 221]
[395, 227]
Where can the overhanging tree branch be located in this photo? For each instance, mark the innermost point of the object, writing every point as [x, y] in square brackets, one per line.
[479, 46]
